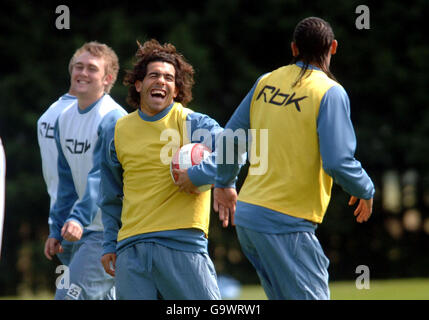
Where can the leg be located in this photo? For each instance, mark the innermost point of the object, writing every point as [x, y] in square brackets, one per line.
[312, 267]
[292, 266]
[88, 280]
[182, 275]
[66, 256]
[252, 255]
[133, 279]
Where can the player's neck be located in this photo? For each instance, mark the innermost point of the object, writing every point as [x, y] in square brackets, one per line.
[323, 65]
[85, 101]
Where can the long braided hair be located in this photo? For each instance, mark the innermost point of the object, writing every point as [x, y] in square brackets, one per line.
[313, 36]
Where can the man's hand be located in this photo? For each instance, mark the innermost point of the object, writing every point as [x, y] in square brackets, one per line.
[71, 231]
[224, 202]
[52, 247]
[364, 209]
[183, 182]
[109, 263]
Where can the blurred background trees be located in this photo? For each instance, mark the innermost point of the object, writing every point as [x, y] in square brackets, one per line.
[230, 43]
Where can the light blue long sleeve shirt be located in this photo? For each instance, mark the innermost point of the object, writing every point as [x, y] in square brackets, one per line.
[79, 170]
[337, 143]
[111, 188]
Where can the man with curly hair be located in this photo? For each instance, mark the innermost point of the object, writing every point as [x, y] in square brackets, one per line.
[155, 239]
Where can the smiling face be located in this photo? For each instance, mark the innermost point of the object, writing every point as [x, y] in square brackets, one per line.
[88, 77]
[158, 88]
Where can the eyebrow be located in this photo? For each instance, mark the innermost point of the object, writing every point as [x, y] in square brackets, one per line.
[158, 73]
[89, 64]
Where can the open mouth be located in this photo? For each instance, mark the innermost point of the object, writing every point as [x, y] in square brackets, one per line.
[158, 93]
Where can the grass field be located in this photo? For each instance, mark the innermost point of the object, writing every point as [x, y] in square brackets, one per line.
[400, 289]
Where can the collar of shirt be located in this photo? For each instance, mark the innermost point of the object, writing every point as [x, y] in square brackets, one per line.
[157, 116]
[310, 66]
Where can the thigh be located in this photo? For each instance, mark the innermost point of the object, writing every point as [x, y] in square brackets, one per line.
[66, 255]
[246, 238]
[88, 280]
[182, 275]
[290, 266]
[133, 279]
[296, 264]
[311, 268]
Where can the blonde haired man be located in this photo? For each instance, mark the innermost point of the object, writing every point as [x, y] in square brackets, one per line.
[75, 215]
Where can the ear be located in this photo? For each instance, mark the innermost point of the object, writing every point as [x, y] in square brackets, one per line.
[107, 79]
[176, 92]
[138, 84]
[294, 48]
[334, 46]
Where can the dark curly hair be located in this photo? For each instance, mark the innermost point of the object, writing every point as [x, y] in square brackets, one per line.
[313, 36]
[153, 51]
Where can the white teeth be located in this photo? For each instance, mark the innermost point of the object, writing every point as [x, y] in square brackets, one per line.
[160, 92]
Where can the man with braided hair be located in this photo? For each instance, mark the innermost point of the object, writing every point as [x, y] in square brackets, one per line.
[311, 144]
[155, 239]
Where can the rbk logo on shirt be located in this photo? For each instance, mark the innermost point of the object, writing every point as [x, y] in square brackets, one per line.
[279, 98]
[77, 147]
[46, 130]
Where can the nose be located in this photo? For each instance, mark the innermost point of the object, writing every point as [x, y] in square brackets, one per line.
[84, 71]
[161, 79]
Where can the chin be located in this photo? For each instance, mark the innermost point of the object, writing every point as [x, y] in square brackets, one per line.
[159, 107]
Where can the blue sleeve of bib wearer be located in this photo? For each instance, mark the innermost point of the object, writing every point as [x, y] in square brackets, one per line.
[227, 171]
[66, 194]
[111, 190]
[338, 144]
[203, 129]
[86, 209]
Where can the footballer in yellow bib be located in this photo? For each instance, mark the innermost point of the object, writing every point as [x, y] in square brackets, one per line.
[156, 230]
[309, 144]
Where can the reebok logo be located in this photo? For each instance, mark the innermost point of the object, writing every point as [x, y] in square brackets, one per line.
[46, 130]
[273, 95]
[76, 147]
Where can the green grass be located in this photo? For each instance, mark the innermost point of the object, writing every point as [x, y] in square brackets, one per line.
[29, 296]
[400, 289]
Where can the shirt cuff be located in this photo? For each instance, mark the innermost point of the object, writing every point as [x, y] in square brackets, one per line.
[109, 247]
[55, 234]
[196, 177]
[223, 185]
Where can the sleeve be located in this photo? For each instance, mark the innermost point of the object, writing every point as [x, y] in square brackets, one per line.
[39, 141]
[338, 144]
[66, 194]
[45, 165]
[232, 144]
[203, 129]
[111, 190]
[86, 209]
